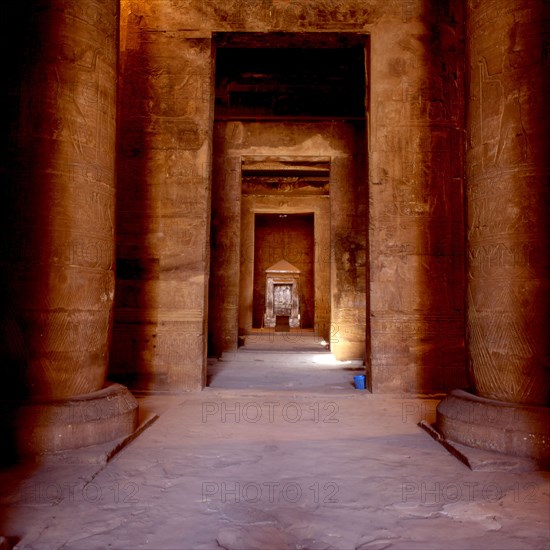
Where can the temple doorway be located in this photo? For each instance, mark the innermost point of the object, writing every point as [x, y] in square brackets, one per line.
[284, 238]
[289, 184]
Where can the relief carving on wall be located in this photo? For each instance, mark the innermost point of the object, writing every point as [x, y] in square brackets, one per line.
[289, 175]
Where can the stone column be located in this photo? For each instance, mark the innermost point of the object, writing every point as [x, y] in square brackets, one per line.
[508, 199]
[58, 268]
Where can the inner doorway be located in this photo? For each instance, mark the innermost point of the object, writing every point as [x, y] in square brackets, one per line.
[289, 150]
[288, 237]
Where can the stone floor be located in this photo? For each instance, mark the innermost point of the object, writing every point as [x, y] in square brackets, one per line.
[279, 452]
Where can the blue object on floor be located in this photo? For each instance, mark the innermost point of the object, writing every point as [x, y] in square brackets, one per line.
[359, 381]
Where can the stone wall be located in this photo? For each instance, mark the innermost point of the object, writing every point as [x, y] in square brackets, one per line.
[416, 197]
[163, 205]
[415, 135]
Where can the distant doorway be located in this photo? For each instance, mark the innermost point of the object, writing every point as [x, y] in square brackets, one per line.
[289, 182]
[287, 237]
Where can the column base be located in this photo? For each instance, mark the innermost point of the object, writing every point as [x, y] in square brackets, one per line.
[80, 421]
[507, 428]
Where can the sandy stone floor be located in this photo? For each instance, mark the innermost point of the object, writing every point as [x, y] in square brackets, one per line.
[280, 452]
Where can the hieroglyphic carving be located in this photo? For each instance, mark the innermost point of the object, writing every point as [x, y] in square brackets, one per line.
[488, 219]
[410, 9]
[287, 185]
[85, 252]
[165, 183]
[293, 14]
[500, 122]
[508, 205]
[166, 134]
[194, 87]
[63, 279]
[174, 197]
[176, 95]
[99, 14]
[504, 258]
[416, 208]
[179, 352]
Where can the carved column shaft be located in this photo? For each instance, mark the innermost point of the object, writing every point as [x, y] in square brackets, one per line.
[62, 280]
[508, 243]
[57, 219]
[58, 266]
[508, 200]
[508, 240]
